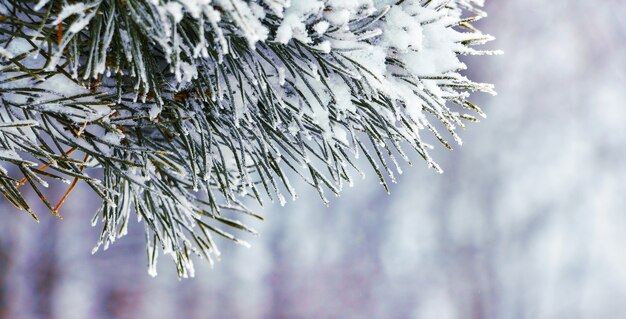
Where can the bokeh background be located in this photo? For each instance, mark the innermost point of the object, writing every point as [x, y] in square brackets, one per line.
[528, 220]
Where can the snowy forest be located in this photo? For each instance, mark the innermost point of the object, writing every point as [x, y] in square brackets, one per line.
[526, 220]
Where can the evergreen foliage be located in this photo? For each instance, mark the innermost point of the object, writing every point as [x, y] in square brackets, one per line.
[188, 107]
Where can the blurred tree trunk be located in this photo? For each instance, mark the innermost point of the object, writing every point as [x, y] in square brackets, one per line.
[44, 268]
[5, 262]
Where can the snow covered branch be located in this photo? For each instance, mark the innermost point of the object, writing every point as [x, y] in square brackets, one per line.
[188, 107]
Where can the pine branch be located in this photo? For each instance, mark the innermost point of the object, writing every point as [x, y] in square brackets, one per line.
[191, 109]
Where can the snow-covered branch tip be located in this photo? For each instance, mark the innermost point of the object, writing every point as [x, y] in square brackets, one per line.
[188, 107]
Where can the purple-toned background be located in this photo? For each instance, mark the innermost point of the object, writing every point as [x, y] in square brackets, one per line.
[528, 221]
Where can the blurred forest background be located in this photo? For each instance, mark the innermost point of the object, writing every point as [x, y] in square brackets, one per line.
[528, 220]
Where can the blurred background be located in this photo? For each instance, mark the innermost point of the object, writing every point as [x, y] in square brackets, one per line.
[528, 220]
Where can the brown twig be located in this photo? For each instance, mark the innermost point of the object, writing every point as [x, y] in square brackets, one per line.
[69, 191]
[59, 33]
[68, 153]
